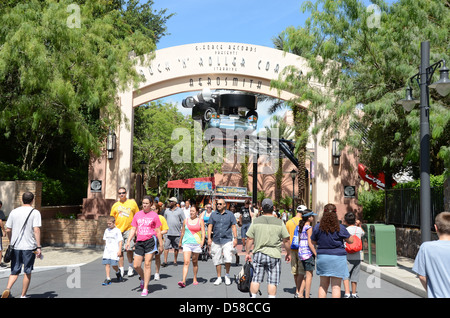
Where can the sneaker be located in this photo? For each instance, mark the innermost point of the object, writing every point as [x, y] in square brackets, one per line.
[106, 282]
[130, 271]
[119, 277]
[355, 296]
[141, 285]
[144, 292]
[181, 284]
[218, 281]
[156, 276]
[227, 280]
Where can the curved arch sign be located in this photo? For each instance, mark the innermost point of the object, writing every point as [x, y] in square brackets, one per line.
[185, 68]
[215, 65]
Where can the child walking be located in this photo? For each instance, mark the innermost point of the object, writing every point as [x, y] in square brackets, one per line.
[113, 250]
[306, 252]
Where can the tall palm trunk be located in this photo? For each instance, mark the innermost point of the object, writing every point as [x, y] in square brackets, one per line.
[301, 125]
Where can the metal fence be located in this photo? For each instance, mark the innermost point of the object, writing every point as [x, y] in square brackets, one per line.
[402, 206]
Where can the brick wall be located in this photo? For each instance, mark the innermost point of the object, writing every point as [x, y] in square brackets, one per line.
[73, 233]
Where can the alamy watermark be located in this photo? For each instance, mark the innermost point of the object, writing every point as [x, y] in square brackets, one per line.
[74, 279]
[74, 19]
[374, 20]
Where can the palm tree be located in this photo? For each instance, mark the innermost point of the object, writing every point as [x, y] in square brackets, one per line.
[285, 131]
[301, 120]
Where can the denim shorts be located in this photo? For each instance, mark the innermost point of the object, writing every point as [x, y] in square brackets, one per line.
[108, 261]
[309, 263]
[22, 257]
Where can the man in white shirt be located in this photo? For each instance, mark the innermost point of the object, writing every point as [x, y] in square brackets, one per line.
[23, 229]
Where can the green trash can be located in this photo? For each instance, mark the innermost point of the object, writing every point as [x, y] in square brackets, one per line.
[382, 245]
[367, 243]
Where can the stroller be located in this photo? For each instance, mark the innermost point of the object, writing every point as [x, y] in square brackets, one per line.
[205, 254]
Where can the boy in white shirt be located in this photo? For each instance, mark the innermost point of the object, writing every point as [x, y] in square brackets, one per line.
[113, 250]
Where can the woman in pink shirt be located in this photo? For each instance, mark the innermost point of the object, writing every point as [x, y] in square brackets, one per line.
[146, 227]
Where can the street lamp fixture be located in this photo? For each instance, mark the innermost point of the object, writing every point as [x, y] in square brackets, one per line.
[442, 86]
[335, 152]
[111, 144]
[408, 102]
[293, 174]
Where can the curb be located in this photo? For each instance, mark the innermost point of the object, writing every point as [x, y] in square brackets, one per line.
[394, 279]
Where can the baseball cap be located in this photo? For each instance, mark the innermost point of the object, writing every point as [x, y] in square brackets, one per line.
[173, 199]
[182, 204]
[309, 213]
[267, 205]
[302, 208]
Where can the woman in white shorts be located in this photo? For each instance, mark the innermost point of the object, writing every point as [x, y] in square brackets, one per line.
[192, 239]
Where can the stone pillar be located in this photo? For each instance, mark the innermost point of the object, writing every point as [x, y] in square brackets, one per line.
[34, 187]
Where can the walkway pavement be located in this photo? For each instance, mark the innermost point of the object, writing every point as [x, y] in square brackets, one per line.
[59, 258]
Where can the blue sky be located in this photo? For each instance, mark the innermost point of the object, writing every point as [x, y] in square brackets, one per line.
[245, 21]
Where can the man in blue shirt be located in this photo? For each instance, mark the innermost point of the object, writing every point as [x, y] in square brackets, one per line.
[222, 228]
[432, 261]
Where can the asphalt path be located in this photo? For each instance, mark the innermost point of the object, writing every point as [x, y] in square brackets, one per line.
[85, 281]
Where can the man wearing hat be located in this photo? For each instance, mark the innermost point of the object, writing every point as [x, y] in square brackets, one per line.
[175, 217]
[266, 234]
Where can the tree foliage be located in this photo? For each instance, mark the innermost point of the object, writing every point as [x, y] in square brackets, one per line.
[361, 58]
[154, 143]
[62, 64]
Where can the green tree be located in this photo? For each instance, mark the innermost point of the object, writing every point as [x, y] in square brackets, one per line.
[153, 142]
[62, 64]
[365, 65]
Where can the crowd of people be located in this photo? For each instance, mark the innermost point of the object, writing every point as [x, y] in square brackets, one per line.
[309, 245]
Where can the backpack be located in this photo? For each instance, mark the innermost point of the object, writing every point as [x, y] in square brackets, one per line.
[295, 239]
[355, 247]
[244, 278]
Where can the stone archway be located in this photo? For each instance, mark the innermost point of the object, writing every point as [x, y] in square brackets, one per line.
[185, 68]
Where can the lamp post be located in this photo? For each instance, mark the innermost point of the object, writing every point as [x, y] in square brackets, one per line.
[443, 88]
[111, 144]
[293, 174]
[143, 165]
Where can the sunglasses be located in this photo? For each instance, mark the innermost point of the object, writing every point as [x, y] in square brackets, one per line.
[122, 192]
[219, 203]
